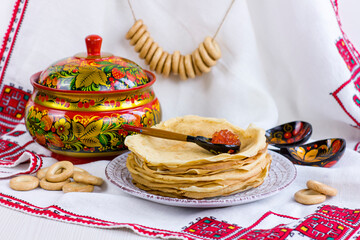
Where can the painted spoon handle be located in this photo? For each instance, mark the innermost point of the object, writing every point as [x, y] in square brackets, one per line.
[156, 132]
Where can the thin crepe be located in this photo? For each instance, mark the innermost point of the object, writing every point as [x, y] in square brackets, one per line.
[163, 152]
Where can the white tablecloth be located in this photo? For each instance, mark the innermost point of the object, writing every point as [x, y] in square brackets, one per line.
[281, 61]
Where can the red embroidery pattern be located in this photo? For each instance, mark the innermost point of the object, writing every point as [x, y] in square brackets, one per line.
[211, 228]
[348, 216]
[10, 151]
[4, 128]
[17, 133]
[13, 102]
[328, 222]
[346, 54]
[351, 47]
[357, 147]
[275, 233]
[12, 107]
[320, 228]
[10, 36]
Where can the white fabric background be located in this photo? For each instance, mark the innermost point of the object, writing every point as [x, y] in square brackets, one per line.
[279, 64]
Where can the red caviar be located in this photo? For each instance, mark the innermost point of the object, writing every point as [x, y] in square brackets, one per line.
[225, 137]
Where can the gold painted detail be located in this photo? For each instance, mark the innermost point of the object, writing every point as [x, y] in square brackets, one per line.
[95, 102]
[316, 153]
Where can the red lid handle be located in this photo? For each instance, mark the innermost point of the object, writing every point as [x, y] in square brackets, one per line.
[93, 45]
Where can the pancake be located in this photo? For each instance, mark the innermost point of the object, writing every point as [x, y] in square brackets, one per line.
[184, 170]
[164, 152]
[239, 173]
[204, 189]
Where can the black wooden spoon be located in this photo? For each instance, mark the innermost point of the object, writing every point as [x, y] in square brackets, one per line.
[322, 153]
[199, 140]
[289, 134]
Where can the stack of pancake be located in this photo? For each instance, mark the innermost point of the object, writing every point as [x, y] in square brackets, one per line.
[184, 170]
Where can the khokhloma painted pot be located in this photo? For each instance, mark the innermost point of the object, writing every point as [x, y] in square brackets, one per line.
[80, 103]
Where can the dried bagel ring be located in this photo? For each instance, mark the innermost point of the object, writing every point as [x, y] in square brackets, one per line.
[24, 183]
[199, 62]
[167, 66]
[160, 65]
[77, 169]
[309, 197]
[175, 62]
[67, 169]
[77, 187]
[155, 59]
[321, 188]
[138, 34]
[182, 72]
[140, 43]
[189, 66]
[87, 179]
[151, 52]
[53, 186]
[196, 68]
[145, 49]
[134, 29]
[41, 173]
[205, 56]
[212, 48]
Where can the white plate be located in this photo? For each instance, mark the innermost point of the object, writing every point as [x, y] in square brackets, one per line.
[282, 173]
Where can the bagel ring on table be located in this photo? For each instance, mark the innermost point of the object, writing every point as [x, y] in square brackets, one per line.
[77, 187]
[187, 66]
[87, 179]
[321, 188]
[66, 171]
[24, 183]
[53, 186]
[309, 197]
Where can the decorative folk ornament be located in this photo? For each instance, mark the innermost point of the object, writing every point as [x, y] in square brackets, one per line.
[199, 61]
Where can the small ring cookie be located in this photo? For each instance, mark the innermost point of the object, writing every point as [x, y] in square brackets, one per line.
[145, 49]
[77, 187]
[160, 65]
[138, 34]
[53, 186]
[321, 188]
[196, 68]
[41, 173]
[182, 72]
[309, 197]
[167, 66]
[134, 29]
[205, 56]
[77, 169]
[87, 179]
[199, 62]
[140, 43]
[175, 62]
[212, 48]
[189, 66]
[67, 171]
[155, 59]
[151, 52]
[24, 183]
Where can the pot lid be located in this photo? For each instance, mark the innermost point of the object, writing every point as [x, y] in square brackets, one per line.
[93, 71]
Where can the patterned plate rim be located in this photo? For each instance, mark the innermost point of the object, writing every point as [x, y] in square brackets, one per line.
[235, 199]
